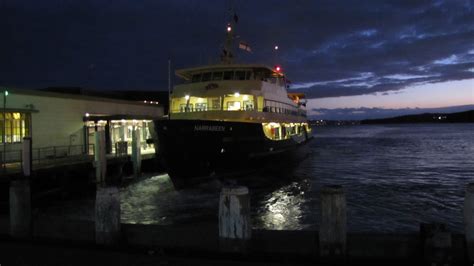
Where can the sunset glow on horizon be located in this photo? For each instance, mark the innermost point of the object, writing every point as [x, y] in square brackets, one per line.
[433, 95]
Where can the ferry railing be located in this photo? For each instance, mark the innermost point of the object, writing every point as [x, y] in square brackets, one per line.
[190, 109]
[282, 108]
[270, 107]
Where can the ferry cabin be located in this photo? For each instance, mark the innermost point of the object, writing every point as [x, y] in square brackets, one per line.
[240, 93]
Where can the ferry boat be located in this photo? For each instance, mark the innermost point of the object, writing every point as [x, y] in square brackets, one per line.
[229, 116]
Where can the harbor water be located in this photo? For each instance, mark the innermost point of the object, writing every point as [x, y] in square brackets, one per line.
[395, 176]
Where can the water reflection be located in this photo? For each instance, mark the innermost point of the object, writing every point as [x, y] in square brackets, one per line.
[282, 208]
[155, 201]
[148, 201]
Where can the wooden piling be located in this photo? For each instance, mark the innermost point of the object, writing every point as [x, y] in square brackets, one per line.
[20, 209]
[235, 228]
[107, 216]
[136, 152]
[26, 157]
[333, 227]
[469, 220]
[100, 159]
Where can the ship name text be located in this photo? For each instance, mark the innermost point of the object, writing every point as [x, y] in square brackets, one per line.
[208, 128]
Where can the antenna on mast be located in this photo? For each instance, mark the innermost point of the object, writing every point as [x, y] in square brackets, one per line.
[227, 56]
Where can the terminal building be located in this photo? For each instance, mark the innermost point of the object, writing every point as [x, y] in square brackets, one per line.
[62, 123]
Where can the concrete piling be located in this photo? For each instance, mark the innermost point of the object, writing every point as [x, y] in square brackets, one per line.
[20, 209]
[235, 228]
[469, 220]
[136, 152]
[100, 159]
[107, 216]
[333, 227]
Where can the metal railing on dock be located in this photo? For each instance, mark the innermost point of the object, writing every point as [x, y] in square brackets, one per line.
[46, 156]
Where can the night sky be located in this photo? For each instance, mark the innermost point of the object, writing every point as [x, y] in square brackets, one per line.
[354, 59]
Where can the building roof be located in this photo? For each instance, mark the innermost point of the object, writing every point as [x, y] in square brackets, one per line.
[128, 97]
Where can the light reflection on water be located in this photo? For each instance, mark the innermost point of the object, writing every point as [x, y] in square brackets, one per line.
[395, 177]
[282, 208]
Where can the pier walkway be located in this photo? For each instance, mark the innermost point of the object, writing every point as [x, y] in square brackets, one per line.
[55, 159]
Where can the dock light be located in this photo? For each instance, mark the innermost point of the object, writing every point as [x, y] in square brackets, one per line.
[236, 94]
[186, 97]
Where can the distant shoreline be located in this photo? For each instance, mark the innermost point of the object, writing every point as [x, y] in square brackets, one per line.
[436, 118]
[459, 117]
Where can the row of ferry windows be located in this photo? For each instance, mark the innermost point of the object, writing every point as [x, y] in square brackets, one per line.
[277, 131]
[222, 75]
[230, 106]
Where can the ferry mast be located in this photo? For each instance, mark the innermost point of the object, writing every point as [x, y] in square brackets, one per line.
[227, 56]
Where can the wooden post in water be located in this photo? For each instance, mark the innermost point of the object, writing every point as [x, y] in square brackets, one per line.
[136, 152]
[26, 157]
[469, 220]
[20, 208]
[107, 200]
[107, 216]
[20, 197]
[100, 158]
[333, 227]
[235, 229]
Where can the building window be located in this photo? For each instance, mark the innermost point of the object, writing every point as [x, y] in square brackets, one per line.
[14, 126]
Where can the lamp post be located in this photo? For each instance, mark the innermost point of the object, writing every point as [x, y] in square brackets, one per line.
[4, 161]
